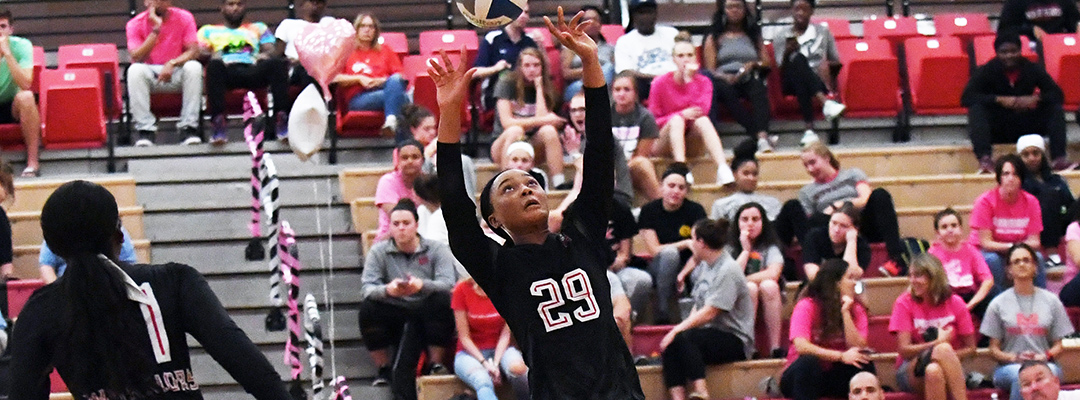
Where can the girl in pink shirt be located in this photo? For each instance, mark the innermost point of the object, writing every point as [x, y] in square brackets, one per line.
[398, 184]
[680, 101]
[933, 330]
[1004, 216]
[965, 269]
[828, 336]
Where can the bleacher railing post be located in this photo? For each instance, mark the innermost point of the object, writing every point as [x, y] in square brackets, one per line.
[292, 9]
[132, 10]
[888, 8]
[449, 14]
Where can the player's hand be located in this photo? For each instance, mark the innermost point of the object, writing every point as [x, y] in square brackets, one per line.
[451, 82]
[572, 34]
[854, 357]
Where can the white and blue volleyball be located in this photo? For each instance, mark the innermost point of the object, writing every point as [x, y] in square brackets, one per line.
[490, 13]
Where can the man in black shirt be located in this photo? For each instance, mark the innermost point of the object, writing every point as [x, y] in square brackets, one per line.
[1036, 18]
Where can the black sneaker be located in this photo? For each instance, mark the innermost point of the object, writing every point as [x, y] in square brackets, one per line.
[779, 353]
[383, 377]
[146, 139]
[191, 136]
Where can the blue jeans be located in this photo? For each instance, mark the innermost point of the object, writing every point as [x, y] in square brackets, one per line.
[473, 373]
[1007, 377]
[389, 99]
[574, 87]
[997, 262]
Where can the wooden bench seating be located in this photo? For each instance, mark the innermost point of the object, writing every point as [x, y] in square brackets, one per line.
[26, 257]
[31, 194]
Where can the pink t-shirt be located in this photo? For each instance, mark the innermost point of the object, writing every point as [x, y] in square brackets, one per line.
[966, 268]
[805, 321]
[391, 188]
[1010, 223]
[666, 97]
[177, 30]
[907, 315]
[1071, 233]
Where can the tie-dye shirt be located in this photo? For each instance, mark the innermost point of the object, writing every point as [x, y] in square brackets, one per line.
[236, 46]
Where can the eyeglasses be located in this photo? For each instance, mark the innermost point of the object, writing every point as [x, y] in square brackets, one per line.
[1018, 261]
[577, 110]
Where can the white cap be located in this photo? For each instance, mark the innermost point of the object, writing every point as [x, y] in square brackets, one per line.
[521, 146]
[1030, 140]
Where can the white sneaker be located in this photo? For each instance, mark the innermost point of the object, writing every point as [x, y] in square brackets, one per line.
[389, 125]
[143, 143]
[191, 140]
[724, 175]
[765, 146]
[808, 137]
[832, 109]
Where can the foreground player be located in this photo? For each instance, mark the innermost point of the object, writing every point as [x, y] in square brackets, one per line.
[545, 285]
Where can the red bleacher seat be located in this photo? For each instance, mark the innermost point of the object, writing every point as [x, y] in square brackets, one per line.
[984, 49]
[1061, 53]
[784, 107]
[938, 70]
[166, 104]
[397, 41]
[39, 64]
[105, 58]
[542, 36]
[1074, 316]
[647, 339]
[612, 32]
[878, 336]
[18, 292]
[894, 29]
[870, 80]
[451, 41]
[839, 27]
[415, 69]
[966, 26]
[356, 123]
[71, 112]
[11, 137]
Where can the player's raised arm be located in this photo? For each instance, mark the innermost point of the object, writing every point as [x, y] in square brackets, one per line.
[452, 90]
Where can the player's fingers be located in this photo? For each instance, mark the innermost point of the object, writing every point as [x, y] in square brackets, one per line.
[550, 26]
[576, 21]
[469, 74]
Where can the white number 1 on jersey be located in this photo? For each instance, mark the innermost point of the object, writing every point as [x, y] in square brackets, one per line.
[578, 287]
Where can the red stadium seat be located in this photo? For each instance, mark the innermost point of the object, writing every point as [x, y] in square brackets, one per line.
[71, 112]
[105, 58]
[451, 41]
[966, 26]
[1061, 53]
[647, 339]
[894, 29]
[39, 64]
[938, 70]
[18, 292]
[839, 27]
[396, 41]
[11, 137]
[166, 104]
[870, 80]
[784, 107]
[542, 36]
[356, 123]
[879, 339]
[612, 32]
[415, 68]
[984, 49]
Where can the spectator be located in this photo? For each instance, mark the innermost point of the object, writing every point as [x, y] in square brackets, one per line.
[832, 187]
[429, 220]
[571, 63]
[1070, 293]
[1049, 188]
[1024, 323]
[720, 329]
[52, 266]
[665, 229]
[1010, 96]
[406, 284]
[647, 49]
[865, 386]
[311, 12]
[419, 125]
[498, 53]
[934, 331]
[484, 354]
[841, 239]
[1004, 216]
[746, 169]
[525, 110]
[574, 131]
[735, 56]
[753, 243]
[398, 184]
[968, 275]
[635, 132]
[17, 103]
[828, 336]
[680, 102]
[1036, 18]
[7, 190]
[1038, 382]
[163, 49]
[241, 56]
[807, 56]
[372, 75]
[519, 155]
[621, 308]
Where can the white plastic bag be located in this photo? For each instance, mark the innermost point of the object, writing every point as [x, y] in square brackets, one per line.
[307, 123]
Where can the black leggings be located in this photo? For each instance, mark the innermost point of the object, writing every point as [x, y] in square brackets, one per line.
[271, 72]
[383, 325]
[754, 120]
[799, 79]
[684, 360]
[805, 379]
[991, 123]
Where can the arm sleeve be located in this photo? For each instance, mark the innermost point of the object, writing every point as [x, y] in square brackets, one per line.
[900, 320]
[265, 36]
[29, 368]
[127, 249]
[991, 323]
[1049, 91]
[189, 29]
[1062, 325]
[473, 249]
[811, 254]
[598, 178]
[805, 201]
[443, 264]
[862, 320]
[982, 213]
[980, 269]
[802, 320]
[831, 52]
[208, 322]
[372, 284]
[977, 90]
[202, 38]
[648, 128]
[658, 101]
[704, 93]
[723, 295]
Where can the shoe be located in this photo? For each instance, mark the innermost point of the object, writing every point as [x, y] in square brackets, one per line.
[832, 109]
[765, 145]
[146, 139]
[220, 133]
[986, 165]
[192, 140]
[724, 175]
[809, 137]
[778, 353]
[439, 369]
[1063, 164]
[889, 269]
[389, 126]
[697, 396]
[190, 135]
[770, 386]
[282, 127]
[30, 173]
[383, 377]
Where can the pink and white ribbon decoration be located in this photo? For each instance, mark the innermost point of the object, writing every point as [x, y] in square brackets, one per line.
[290, 278]
[253, 135]
[314, 337]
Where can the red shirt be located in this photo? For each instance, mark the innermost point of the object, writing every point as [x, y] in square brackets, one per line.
[485, 323]
[373, 63]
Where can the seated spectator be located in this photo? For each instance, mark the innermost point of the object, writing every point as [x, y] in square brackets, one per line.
[720, 328]
[965, 269]
[624, 186]
[406, 284]
[832, 187]
[571, 62]
[53, 267]
[520, 155]
[1024, 323]
[865, 386]
[7, 247]
[680, 101]
[1004, 216]
[398, 184]
[419, 124]
[484, 354]
[241, 56]
[841, 239]
[1036, 18]
[1049, 188]
[807, 55]
[525, 110]
[753, 243]
[647, 48]
[372, 75]
[1010, 96]
[828, 336]
[636, 131]
[621, 308]
[17, 103]
[163, 49]
[1038, 382]
[665, 229]
[1070, 293]
[498, 54]
[310, 12]
[934, 331]
[735, 56]
[429, 220]
[746, 169]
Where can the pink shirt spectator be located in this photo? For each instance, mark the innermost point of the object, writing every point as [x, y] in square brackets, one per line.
[805, 321]
[666, 97]
[177, 31]
[916, 318]
[966, 268]
[1071, 233]
[391, 188]
[1010, 223]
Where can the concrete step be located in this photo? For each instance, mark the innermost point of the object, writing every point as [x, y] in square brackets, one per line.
[232, 224]
[209, 373]
[240, 292]
[233, 194]
[360, 389]
[227, 257]
[346, 327]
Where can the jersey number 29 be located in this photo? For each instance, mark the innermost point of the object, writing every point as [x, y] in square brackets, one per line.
[577, 287]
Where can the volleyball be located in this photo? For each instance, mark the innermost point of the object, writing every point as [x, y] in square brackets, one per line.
[490, 13]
